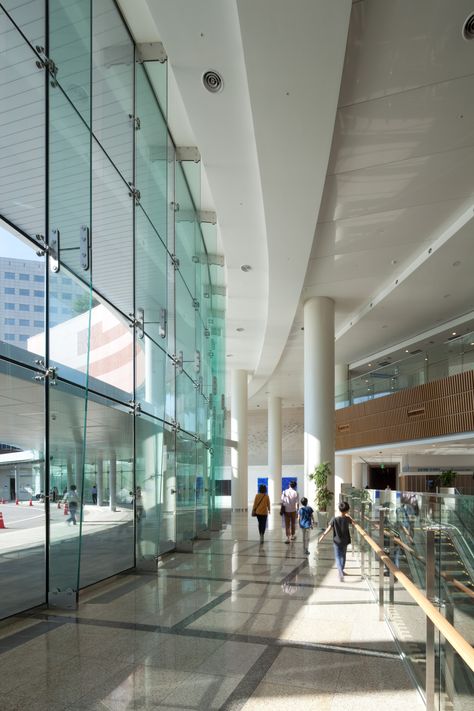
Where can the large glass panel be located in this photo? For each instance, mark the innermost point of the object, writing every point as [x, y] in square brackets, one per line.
[151, 287]
[22, 134]
[155, 494]
[186, 463]
[29, 15]
[186, 402]
[89, 333]
[185, 324]
[187, 244]
[112, 85]
[151, 155]
[112, 233]
[151, 373]
[70, 49]
[69, 183]
[22, 298]
[107, 544]
[22, 542]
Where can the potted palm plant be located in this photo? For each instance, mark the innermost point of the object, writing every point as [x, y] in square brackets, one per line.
[323, 497]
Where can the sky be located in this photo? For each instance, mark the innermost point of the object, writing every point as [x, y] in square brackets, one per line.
[13, 246]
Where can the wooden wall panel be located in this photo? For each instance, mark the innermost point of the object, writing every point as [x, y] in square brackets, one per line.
[435, 409]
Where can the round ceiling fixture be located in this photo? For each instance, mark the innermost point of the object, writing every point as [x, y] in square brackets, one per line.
[212, 81]
[246, 268]
[468, 27]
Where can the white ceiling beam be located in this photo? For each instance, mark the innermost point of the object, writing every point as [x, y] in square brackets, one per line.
[426, 253]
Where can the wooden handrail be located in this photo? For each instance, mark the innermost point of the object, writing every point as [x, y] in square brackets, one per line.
[457, 641]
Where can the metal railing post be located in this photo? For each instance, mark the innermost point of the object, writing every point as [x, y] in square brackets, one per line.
[449, 660]
[392, 577]
[430, 628]
[381, 563]
[361, 540]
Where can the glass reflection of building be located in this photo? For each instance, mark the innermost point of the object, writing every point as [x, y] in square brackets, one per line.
[111, 328]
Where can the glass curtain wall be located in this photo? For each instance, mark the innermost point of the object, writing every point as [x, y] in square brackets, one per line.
[111, 326]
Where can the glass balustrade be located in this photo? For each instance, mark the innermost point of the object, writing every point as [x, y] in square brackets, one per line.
[429, 537]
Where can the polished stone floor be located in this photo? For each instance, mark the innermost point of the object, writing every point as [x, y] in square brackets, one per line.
[233, 625]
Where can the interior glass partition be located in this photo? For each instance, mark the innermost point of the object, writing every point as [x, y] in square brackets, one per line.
[429, 538]
[111, 328]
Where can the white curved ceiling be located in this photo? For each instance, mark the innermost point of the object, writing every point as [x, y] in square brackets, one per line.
[398, 177]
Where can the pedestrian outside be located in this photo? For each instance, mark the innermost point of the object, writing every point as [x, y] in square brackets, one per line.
[290, 501]
[341, 536]
[261, 508]
[72, 500]
[306, 521]
[94, 493]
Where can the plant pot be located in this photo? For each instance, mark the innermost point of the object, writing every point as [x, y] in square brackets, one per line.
[322, 518]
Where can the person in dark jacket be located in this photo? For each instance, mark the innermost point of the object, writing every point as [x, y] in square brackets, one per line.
[341, 536]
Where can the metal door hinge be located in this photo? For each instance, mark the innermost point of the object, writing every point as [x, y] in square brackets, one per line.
[134, 193]
[45, 62]
[174, 206]
[53, 250]
[135, 407]
[174, 261]
[136, 121]
[84, 242]
[196, 304]
[163, 323]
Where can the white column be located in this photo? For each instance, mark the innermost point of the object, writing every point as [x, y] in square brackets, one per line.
[100, 481]
[357, 474]
[239, 435]
[274, 448]
[113, 482]
[343, 474]
[69, 474]
[318, 388]
[341, 374]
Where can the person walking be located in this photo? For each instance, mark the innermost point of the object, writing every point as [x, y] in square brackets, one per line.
[72, 500]
[306, 520]
[261, 508]
[341, 536]
[94, 494]
[290, 503]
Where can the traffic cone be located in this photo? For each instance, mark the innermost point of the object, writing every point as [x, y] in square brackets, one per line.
[66, 509]
[17, 502]
[2, 522]
[31, 502]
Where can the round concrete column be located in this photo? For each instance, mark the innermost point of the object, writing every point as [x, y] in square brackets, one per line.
[357, 474]
[100, 481]
[274, 448]
[343, 474]
[341, 374]
[239, 435]
[113, 482]
[318, 388]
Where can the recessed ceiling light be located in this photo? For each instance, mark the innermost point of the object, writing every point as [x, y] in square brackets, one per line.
[370, 365]
[453, 333]
[246, 268]
[212, 81]
[468, 27]
[240, 329]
